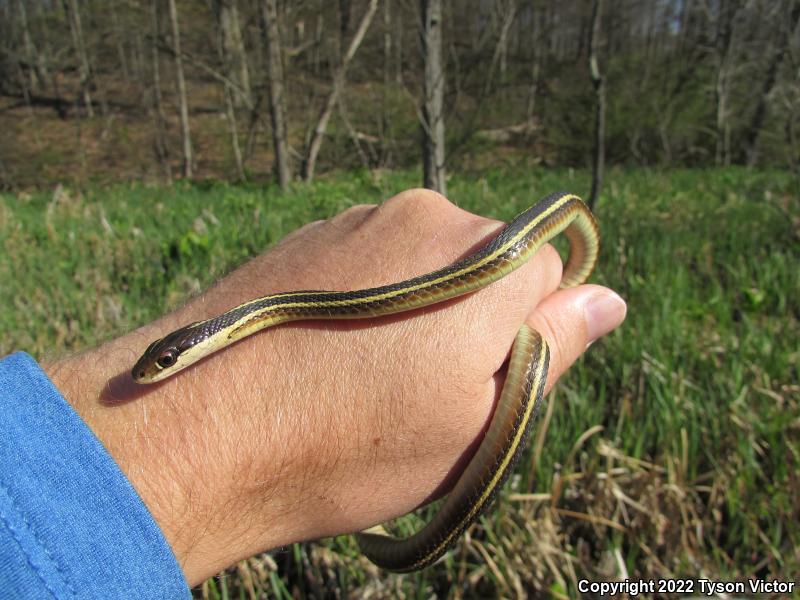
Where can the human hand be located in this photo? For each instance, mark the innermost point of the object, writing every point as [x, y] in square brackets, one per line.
[316, 428]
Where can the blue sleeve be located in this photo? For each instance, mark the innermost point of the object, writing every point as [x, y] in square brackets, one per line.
[71, 524]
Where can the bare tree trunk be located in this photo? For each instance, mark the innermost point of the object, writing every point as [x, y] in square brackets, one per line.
[501, 50]
[277, 101]
[79, 145]
[228, 50]
[137, 57]
[386, 115]
[398, 46]
[793, 150]
[344, 21]
[42, 49]
[160, 142]
[78, 42]
[598, 164]
[186, 135]
[533, 88]
[234, 53]
[433, 148]
[387, 44]
[24, 84]
[354, 137]
[721, 156]
[724, 44]
[231, 115]
[760, 113]
[30, 52]
[508, 12]
[338, 84]
[538, 49]
[118, 34]
[319, 36]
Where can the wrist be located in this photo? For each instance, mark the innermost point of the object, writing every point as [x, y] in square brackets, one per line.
[173, 444]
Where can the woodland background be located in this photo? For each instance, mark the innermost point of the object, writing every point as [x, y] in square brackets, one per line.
[155, 90]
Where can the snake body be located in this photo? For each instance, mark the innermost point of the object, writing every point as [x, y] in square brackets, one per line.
[522, 391]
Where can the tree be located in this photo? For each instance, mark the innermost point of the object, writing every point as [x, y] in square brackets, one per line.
[232, 49]
[183, 106]
[339, 77]
[277, 101]
[234, 66]
[598, 163]
[433, 132]
[79, 45]
[156, 103]
[508, 13]
[780, 48]
[725, 50]
[30, 51]
[119, 36]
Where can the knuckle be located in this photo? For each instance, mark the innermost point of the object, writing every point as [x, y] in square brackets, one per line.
[417, 202]
[300, 232]
[354, 214]
[358, 209]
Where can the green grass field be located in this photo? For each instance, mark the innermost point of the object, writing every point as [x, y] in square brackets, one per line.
[671, 450]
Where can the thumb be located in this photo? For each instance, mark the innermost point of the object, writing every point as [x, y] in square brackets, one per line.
[573, 318]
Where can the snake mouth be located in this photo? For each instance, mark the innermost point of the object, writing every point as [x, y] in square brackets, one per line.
[144, 368]
[144, 372]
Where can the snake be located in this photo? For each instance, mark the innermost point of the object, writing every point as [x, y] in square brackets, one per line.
[522, 391]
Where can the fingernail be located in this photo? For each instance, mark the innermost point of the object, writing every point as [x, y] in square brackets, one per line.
[604, 312]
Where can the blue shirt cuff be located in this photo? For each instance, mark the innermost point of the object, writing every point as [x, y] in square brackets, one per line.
[71, 524]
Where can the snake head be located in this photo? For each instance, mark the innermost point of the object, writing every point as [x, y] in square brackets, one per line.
[165, 356]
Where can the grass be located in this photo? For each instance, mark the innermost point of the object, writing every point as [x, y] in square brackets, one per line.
[671, 450]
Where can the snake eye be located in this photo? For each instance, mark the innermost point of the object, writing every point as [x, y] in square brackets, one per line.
[168, 358]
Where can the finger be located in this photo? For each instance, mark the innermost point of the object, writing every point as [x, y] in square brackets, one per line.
[573, 318]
